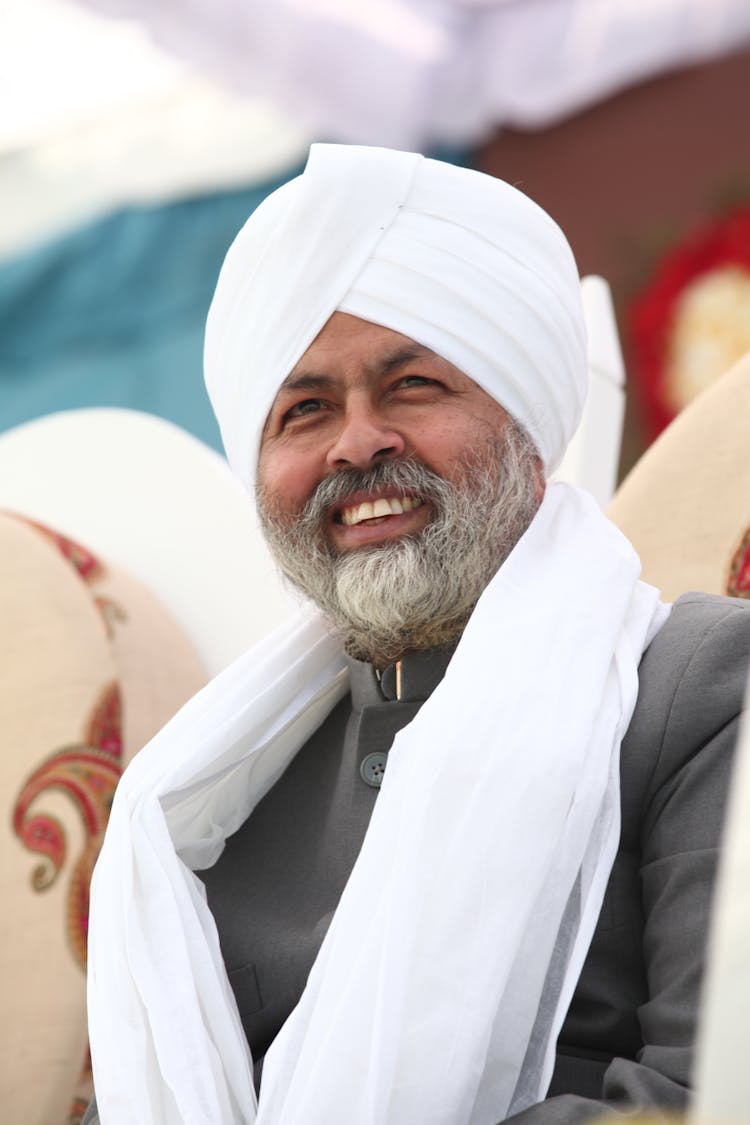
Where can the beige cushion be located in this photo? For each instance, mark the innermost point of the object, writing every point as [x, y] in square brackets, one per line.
[156, 501]
[91, 668]
[686, 504]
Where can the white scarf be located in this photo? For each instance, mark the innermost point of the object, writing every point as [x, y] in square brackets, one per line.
[446, 972]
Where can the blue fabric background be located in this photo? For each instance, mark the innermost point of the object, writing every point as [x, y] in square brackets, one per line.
[113, 314]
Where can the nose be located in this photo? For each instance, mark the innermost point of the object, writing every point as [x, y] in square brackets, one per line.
[364, 439]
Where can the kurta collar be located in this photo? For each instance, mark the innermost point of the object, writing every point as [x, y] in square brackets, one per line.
[420, 674]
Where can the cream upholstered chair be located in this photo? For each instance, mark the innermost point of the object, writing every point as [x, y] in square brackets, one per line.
[686, 504]
[593, 456]
[92, 666]
[130, 571]
[159, 503]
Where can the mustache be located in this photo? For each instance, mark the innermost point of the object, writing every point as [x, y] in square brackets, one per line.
[407, 474]
[412, 592]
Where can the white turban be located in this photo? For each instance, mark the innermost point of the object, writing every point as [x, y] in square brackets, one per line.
[460, 262]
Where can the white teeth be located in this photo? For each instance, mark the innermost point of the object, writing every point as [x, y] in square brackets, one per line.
[377, 509]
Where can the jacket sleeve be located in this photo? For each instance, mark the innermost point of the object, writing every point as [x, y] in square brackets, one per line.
[681, 824]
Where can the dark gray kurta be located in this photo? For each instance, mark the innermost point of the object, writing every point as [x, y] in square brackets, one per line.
[627, 1038]
[272, 912]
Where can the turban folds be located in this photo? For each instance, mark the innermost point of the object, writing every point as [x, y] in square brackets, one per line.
[458, 261]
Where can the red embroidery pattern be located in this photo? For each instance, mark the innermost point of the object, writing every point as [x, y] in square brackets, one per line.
[111, 613]
[88, 773]
[84, 562]
[87, 566]
[738, 582]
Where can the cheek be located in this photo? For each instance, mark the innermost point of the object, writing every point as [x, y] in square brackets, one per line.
[436, 432]
[286, 480]
[443, 445]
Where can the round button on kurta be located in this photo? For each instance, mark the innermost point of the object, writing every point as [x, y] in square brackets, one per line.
[372, 768]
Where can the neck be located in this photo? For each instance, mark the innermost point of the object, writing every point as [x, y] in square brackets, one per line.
[382, 651]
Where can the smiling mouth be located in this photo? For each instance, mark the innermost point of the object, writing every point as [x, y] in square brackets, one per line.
[372, 511]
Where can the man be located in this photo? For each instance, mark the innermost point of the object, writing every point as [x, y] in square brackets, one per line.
[406, 849]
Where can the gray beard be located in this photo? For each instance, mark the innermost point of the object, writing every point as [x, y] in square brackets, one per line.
[418, 591]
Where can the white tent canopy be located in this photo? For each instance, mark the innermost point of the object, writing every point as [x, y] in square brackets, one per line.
[94, 116]
[413, 73]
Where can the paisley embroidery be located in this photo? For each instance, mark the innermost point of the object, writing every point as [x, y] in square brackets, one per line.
[112, 614]
[87, 566]
[88, 773]
[738, 582]
[83, 561]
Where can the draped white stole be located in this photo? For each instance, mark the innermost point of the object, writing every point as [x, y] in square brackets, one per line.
[443, 980]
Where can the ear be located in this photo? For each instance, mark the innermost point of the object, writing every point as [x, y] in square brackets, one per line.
[541, 480]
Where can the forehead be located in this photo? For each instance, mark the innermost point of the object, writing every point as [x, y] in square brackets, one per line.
[348, 347]
[351, 358]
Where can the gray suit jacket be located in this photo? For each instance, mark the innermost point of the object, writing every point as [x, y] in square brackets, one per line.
[627, 1039]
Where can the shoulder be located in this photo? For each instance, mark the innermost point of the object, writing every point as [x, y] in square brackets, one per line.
[695, 616]
[692, 682]
[704, 645]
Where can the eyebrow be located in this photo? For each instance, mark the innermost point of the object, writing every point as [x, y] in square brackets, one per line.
[319, 381]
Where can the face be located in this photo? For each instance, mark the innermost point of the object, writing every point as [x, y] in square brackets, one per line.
[391, 488]
[362, 395]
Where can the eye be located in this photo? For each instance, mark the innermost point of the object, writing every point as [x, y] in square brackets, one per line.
[415, 381]
[302, 409]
